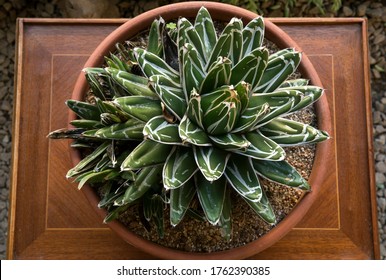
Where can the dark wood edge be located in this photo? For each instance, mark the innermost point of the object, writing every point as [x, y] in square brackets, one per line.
[15, 139]
[370, 137]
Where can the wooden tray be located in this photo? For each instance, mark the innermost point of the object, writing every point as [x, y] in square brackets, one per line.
[50, 219]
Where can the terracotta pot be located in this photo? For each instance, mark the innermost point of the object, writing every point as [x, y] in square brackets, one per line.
[221, 12]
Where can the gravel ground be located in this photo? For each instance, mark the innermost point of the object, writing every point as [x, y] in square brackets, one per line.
[375, 11]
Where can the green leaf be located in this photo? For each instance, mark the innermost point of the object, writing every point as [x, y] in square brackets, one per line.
[277, 71]
[244, 92]
[194, 110]
[96, 177]
[211, 196]
[171, 94]
[115, 213]
[139, 107]
[263, 208]
[310, 94]
[250, 68]
[191, 133]
[205, 29]
[147, 153]
[88, 124]
[94, 84]
[153, 208]
[89, 161]
[251, 117]
[133, 84]
[280, 103]
[147, 177]
[151, 65]
[253, 34]
[180, 199]
[225, 221]
[84, 110]
[130, 130]
[192, 71]
[229, 43]
[218, 75]
[242, 177]
[221, 109]
[230, 142]
[281, 172]
[289, 133]
[294, 83]
[211, 161]
[261, 147]
[64, 133]
[179, 168]
[154, 44]
[188, 34]
[159, 130]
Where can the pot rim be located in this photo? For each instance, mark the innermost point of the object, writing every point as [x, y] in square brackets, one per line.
[223, 12]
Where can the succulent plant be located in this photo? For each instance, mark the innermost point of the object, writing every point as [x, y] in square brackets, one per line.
[196, 113]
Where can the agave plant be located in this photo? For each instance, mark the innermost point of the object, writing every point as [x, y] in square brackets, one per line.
[197, 114]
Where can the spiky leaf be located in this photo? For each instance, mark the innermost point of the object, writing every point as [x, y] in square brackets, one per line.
[206, 31]
[263, 209]
[130, 130]
[147, 153]
[159, 130]
[211, 196]
[180, 199]
[225, 221]
[211, 161]
[147, 177]
[277, 71]
[250, 68]
[261, 147]
[218, 75]
[178, 168]
[191, 133]
[220, 110]
[87, 162]
[171, 94]
[84, 110]
[139, 107]
[192, 71]
[253, 34]
[230, 142]
[133, 84]
[152, 64]
[289, 133]
[280, 172]
[242, 177]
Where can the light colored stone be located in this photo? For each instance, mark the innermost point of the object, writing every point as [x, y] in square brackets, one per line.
[361, 10]
[377, 117]
[379, 39]
[380, 178]
[381, 203]
[380, 167]
[347, 11]
[90, 9]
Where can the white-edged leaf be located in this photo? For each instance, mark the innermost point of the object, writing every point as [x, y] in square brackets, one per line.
[179, 168]
[211, 196]
[242, 177]
[159, 130]
[211, 161]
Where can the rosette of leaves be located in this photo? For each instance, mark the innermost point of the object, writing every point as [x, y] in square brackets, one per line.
[197, 113]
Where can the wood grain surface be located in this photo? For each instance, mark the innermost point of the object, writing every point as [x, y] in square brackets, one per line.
[51, 219]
